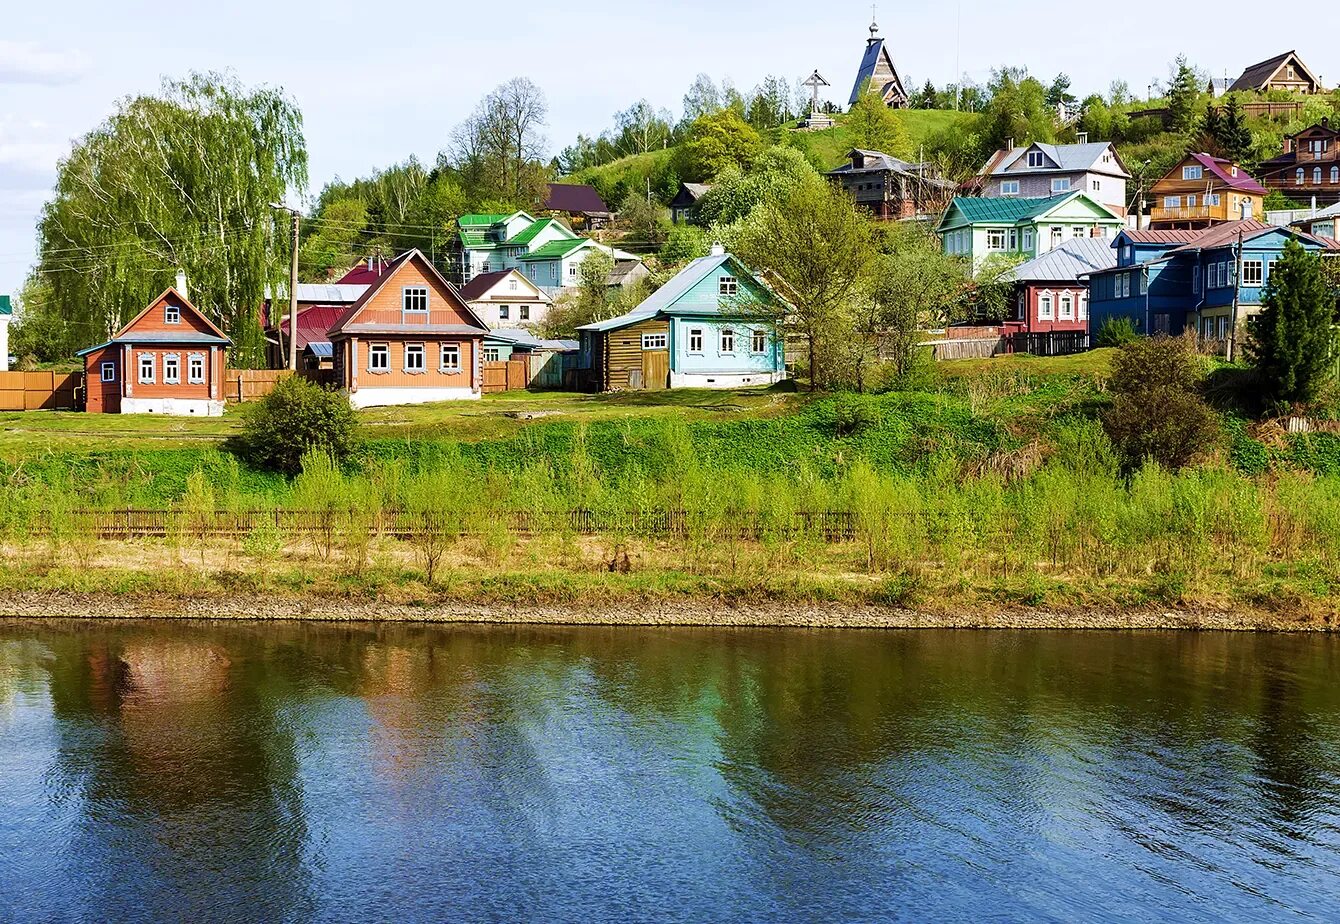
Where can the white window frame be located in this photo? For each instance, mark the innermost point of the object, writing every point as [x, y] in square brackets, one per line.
[171, 314]
[1193, 172]
[171, 369]
[379, 357]
[995, 238]
[728, 286]
[416, 350]
[1096, 185]
[1212, 199]
[449, 358]
[572, 270]
[1014, 239]
[695, 339]
[1335, 175]
[411, 298]
[1060, 184]
[1300, 176]
[758, 341]
[1172, 202]
[511, 285]
[1191, 201]
[1057, 236]
[1253, 273]
[1083, 306]
[1009, 187]
[655, 341]
[1316, 176]
[504, 312]
[1036, 159]
[726, 340]
[108, 372]
[1078, 231]
[195, 361]
[1067, 312]
[490, 354]
[1028, 239]
[1046, 307]
[151, 365]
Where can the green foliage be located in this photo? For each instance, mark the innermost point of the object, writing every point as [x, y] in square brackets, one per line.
[1116, 332]
[684, 243]
[183, 180]
[1157, 413]
[853, 414]
[646, 222]
[1184, 96]
[1018, 109]
[736, 192]
[1292, 341]
[873, 126]
[295, 419]
[715, 142]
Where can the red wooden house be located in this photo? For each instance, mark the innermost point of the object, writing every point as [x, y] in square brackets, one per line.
[409, 339]
[1052, 291]
[169, 359]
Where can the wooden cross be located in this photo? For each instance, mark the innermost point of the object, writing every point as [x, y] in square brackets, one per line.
[814, 82]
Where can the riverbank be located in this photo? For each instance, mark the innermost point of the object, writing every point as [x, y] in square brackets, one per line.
[703, 612]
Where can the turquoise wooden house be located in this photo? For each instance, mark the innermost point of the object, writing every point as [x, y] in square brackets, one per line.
[1014, 227]
[714, 325]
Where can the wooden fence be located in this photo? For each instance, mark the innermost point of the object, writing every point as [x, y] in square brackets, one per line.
[250, 384]
[830, 525]
[33, 391]
[510, 375]
[1050, 343]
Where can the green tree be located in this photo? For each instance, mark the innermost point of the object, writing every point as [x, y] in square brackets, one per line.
[497, 150]
[295, 419]
[645, 222]
[684, 243]
[875, 127]
[1292, 341]
[736, 192]
[915, 285]
[1157, 412]
[1184, 96]
[1233, 136]
[715, 142]
[1017, 110]
[179, 181]
[591, 301]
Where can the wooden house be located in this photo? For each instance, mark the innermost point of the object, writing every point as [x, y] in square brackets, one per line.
[169, 359]
[6, 315]
[1283, 72]
[409, 339]
[1203, 191]
[506, 299]
[1308, 170]
[1038, 169]
[1026, 227]
[581, 204]
[319, 305]
[1052, 291]
[686, 200]
[878, 75]
[546, 251]
[713, 325]
[890, 188]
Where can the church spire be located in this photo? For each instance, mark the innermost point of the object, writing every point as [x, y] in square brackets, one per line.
[874, 27]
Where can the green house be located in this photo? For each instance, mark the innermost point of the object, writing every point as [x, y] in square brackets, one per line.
[1027, 228]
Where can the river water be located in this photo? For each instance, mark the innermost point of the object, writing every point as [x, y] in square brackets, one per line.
[310, 772]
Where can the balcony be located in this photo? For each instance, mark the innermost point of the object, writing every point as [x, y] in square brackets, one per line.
[1190, 213]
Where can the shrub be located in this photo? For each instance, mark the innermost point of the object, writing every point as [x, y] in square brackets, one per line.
[853, 414]
[294, 419]
[1157, 412]
[1116, 332]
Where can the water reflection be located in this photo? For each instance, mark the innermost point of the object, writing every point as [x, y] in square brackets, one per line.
[313, 772]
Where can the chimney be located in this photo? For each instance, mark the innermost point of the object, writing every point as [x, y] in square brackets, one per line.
[370, 258]
[1288, 143]
[181, 284]
[1083, 137]
[717, 249]
[1009, 144]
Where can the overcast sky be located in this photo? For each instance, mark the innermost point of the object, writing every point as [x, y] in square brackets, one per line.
[377, 82]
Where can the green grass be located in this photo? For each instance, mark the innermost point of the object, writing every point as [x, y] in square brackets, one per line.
[1093, 364]
[831, 145]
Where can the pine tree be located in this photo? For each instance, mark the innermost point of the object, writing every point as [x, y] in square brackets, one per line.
[1292, 341]
[1234, 137]
[1183, 96]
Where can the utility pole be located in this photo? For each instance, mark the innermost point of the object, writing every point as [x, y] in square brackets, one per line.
[293, 299]
[1232, 346]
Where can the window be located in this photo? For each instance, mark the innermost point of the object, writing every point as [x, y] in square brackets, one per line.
[995, 239]
[1057, 234]
[1084, 306]
[504, 312]
[695, 340]
[1028, 239]
[1126, 252]
[1045, 307]
[1300, 176]
[572, 270]
[171, 369]
[1061, 184]
[1253, 273]
[525, 312]
[490, 354]
[195, 368]
[1144, 282]
[1191, 202]
[1335, 174]
[727, 340]
[511, 285]
[379, 358]
[146, 368]
[1195, 281]
[1077, 231]
[1009, 187]
[1316, 176]
[1014, 239]
[171, 314]
[758, 342]
[1192, 173]
[1172, 202]
[654, 341]
[1223, 327]
[1035, 159]
[414, 357]
[1212, 199]
[109, 372]
[484, 267]
[415, 298]
[728, 286]
[1096, 185]
[451, 358]
[1067, 307]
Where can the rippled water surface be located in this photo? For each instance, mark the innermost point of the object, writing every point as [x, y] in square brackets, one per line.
[314, 773]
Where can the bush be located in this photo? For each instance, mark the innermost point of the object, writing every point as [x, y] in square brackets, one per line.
[1157, 412]
[1116, 332]
[853, 414]
[295, 419]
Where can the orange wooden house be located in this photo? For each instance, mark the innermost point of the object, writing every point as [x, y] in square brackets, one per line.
[409, 339]
[169, 359]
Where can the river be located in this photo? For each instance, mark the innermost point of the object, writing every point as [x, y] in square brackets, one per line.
[173, 771]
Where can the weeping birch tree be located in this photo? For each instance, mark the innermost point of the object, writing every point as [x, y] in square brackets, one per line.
[181, 181]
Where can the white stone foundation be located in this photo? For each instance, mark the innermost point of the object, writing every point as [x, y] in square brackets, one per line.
[384, 397]
[173, 407]
[724, 379]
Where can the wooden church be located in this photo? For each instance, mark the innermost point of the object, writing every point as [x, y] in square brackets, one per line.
[877, 71]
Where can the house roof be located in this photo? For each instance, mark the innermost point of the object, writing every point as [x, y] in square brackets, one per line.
[1223, 169]
[574, 197]
[1066, 263]
[1257, 76]
[622, 270]
[1152, 236]
[313, 323]
[5, 306]
[555, 250]
[874, 48]
[120, 336]
[344, 322]
[663, 300]
[532, 231]
[1068, 158]
[187, 338]
[879, 162]
[1012, 210]
[482, 220]
[480, 286]
[321, 349]
[361, 274]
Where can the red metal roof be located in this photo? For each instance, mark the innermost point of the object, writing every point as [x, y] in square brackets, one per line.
[361, 275]
[480, 284]
[571, 197]
[1153, 236]
[1244, 182]
[313, 323]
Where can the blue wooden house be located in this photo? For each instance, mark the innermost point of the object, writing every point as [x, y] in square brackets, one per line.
[1167, 282]
[714, 325]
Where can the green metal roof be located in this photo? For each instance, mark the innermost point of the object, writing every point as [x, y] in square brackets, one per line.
[5, 307]
[529, 233]
[1006, 210]
[555, 250]
[480, 221]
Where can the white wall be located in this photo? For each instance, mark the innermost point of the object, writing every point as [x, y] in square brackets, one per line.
[4, 342]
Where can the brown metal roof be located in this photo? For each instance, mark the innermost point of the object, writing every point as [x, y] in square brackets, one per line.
[1256, 76]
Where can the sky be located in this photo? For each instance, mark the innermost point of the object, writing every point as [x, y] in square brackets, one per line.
[377, 83]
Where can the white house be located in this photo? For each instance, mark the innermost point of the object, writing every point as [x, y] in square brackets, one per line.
[545, 250]
[506, 299]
